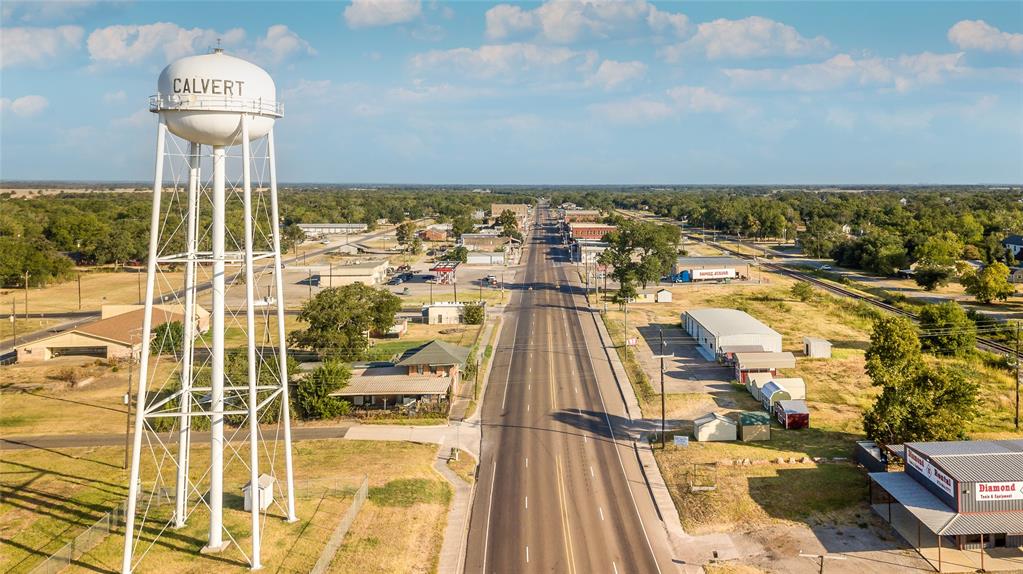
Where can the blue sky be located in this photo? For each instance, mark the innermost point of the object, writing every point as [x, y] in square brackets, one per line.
[561, 92]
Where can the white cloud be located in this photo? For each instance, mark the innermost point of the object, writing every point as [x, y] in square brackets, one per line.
[281, 42]
[423, 92]
[372, 13]
[612, 74]
[25, 106]
[699, 99]
[902, 73]
[137, 119]
[505, 60]
[114, 97]
[132, 44]
[680, 100]
[633, 111]
[753, 37]
[566, 21]
[65, 10]
[979, 35]
[37, 46]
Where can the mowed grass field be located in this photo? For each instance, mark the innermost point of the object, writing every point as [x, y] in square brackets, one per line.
[50, 497]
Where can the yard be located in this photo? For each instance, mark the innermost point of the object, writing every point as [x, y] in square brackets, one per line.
[50, 497]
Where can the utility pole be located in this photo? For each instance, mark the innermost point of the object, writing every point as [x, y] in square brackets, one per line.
[662, 388]
[309, 281]
[139, 274]
[476, 386]
[127, 421]
[431, 293]
[1016, 418]
[14, 321]
[26, 295]
[79, 291]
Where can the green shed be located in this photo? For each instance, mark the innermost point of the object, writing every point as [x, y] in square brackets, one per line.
[754, 426]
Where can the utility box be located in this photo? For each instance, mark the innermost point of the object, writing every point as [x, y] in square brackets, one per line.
[266, 493]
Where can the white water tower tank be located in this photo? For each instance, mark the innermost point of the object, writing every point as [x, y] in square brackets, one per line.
[202, 99]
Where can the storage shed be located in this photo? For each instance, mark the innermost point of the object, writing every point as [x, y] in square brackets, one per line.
[772, 393]
[714, 427]
[794, 385]
[746, 363]
[792, 414]
[717, 328]
[754, 426]
[756, 381]
[654, 296]
[816, 348]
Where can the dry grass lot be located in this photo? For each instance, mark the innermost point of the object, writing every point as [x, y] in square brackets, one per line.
[838, 391]
[50, 497]
[22, 326]
[98, 288]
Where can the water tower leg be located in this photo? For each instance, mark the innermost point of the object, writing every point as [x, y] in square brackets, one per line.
[250, 329]
[216, 535]
[185, 400]
[147, 325]
[282, 349]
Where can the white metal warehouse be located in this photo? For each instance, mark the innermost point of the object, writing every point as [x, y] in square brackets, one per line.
[716, 328]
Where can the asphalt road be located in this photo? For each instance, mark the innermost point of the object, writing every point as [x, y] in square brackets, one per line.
[560, 489]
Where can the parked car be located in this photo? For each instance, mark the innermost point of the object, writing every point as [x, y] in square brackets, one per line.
[824, 268]
[396, 280]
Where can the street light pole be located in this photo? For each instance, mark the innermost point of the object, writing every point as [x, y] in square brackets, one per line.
[1016, 418]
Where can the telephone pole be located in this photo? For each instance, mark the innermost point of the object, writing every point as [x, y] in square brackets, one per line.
[1016, 417]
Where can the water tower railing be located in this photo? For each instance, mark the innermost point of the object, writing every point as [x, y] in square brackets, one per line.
[208, 103]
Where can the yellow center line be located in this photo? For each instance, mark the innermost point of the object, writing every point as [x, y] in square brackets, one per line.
[550, 362]
[562, 494]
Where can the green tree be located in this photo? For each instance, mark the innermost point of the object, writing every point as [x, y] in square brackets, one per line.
[941, 250]
[641, 251]
[405, 233]
[930, 278]
[473, 315]
[507, 220]
[934, 404]
[821, 237]
[169, 339]
[312, 394]
[803, 291]
[461, 224]
[339, 319]
[945, 328]
[988, 284]
[459, 253]
[894, 351]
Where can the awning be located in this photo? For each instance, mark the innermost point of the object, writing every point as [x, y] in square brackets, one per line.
[937, 516]
[919, 501]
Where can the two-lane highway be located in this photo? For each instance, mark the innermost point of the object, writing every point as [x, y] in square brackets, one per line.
[559, 489]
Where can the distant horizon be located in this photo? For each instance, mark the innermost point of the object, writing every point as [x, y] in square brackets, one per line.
[15, 184]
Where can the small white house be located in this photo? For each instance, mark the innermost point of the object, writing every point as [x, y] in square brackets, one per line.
[816, 348]
[654, 296]
[715, 427]
[266, 492]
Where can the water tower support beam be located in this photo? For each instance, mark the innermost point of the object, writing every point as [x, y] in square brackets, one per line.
[250, 328]
[185, 425]
[282, 350]
[147, 325]
[216, 500]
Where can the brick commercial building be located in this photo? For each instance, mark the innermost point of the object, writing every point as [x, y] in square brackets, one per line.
[594, 231]
[960, 504]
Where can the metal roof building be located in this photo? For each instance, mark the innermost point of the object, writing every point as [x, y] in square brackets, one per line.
[968, 495]
[716, 328]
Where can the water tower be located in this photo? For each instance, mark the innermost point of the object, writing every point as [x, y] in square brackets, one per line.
[214, 242]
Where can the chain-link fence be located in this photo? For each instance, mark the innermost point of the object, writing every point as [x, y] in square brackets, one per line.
[82, 543]
[338, 536]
